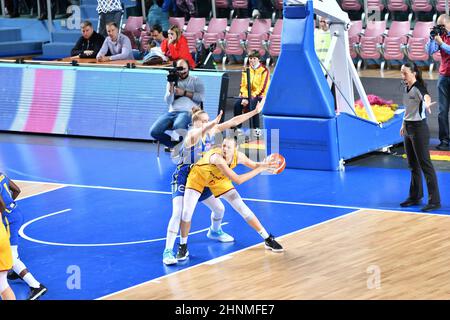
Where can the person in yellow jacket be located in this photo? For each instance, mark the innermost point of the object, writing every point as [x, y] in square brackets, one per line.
[259, 80]
[215, 171]
[6, 263]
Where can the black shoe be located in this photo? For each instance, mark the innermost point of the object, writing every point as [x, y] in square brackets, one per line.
[410, 202]
[12, 275]
[36, 293]
[443, 146]
[183, 252]
[167, 149]
[271, 244]
[43, 17]
[14, 15]
[431, 207]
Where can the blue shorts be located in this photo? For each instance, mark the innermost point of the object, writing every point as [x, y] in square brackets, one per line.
[13, 221]
[179, 179]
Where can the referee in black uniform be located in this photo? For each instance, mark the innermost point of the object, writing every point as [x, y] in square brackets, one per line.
[416, 136]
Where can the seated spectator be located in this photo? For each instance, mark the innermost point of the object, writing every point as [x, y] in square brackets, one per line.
[259, 79]
[89, 43]
[118, 45]
[180, 97]
[159, 13]
[176, 46]
[157, 35]
[153, 46]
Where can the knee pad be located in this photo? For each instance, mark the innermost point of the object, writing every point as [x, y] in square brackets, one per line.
[238, 204]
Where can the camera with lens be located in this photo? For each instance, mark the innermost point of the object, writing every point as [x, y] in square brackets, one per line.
[438, 30]
[173, 75]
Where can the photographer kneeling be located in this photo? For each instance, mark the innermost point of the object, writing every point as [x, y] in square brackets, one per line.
[182, 93]
[440, 40]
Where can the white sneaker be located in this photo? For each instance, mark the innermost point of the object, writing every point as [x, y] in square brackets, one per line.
[219, 235]
[256, 14]
[169, 258]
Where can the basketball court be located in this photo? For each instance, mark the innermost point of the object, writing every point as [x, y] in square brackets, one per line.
[96, 213]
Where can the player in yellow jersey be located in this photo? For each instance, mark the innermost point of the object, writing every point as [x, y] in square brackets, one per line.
[6, 263]
[214, 171]
[12, 220]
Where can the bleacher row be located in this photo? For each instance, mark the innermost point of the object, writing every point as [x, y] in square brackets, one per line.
[392, 40]
[235, 39]
[390, 7]
[376, 42]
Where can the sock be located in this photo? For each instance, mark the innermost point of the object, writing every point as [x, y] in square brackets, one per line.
[215, 223]
[170, 240]
[31, 281]
[183, 240]
[263, 233]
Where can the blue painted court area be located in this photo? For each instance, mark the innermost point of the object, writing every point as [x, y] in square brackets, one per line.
[110, 219]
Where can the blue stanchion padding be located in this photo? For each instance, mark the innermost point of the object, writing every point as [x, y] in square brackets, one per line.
[358, 136]
[295, 12]
[306, 143]
[298, 87]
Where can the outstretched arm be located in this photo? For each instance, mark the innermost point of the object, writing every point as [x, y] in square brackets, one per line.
[194, 135]
[244, 160]
[14, 189]
[233, 122]
[220, 163]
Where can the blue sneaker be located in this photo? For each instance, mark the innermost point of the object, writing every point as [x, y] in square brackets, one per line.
[168, 257]
[219, 235]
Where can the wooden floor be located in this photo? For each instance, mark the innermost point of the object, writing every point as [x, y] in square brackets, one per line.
[363, 255]
[29, 189]
[394, 73]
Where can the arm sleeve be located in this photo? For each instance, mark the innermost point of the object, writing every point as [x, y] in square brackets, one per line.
[164, 47]
[264, 85]
[168, 98]
[243, 91]
[422, 90]
[126, 50]
[431, 47]
[77, 49]
[199, 91]
[98, 43]
[103, 49]
[446, 48]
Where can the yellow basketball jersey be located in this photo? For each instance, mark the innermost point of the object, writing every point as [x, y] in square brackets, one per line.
[6, 260]
[210, 172]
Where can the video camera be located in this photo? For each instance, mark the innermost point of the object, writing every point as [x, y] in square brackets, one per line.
[173, 74]
[437, 30]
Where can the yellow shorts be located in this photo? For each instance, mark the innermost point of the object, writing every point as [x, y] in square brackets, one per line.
[6, 260]
[198, 182]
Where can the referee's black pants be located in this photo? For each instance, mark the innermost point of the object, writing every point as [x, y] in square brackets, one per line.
[417, 138]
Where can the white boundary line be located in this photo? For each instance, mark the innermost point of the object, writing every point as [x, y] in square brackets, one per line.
[247, 199]
[223, 257]
[357, 209]
[26, 237]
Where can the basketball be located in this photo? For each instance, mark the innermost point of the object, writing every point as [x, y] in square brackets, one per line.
[280, 160]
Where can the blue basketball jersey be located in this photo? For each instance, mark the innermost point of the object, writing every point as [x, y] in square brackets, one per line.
[5, 193]
[193, 154]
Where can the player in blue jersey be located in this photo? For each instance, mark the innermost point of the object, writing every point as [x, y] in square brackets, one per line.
[198, 140]
[13, 219]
